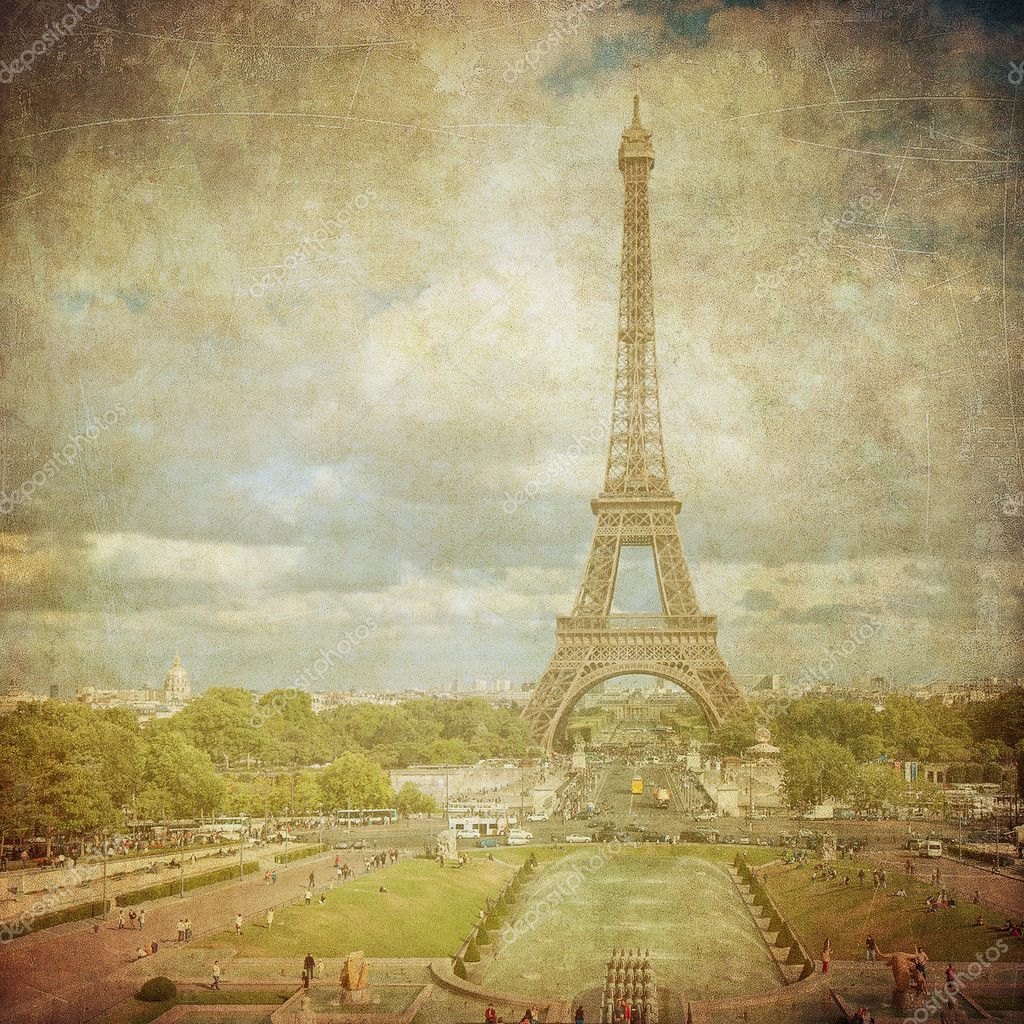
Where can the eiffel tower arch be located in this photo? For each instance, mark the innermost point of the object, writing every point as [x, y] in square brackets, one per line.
[636, 508]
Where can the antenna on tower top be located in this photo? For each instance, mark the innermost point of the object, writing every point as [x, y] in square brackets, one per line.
[636, 93]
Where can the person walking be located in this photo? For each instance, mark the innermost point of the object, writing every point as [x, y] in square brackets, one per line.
[870, 949]
[181, 929]
[308, 967]
[309, 897]
[273, 877]
[270, 918]
[216, 975]
[490, 1015]
[238, 924]
[579, 1015]
[188, 929]
[312, 880]
[120, 918]
[142, 919]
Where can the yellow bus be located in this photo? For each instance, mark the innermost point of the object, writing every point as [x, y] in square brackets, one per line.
[637, 786]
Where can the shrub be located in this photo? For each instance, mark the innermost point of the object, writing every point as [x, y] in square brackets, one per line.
[483, 936]
[459, 970]
[492, 922]
[472, 953]
[158, 990]
[93, 909]
[173, 885]
[297, 854]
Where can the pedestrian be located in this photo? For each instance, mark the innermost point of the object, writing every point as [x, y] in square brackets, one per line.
[188, 929]
[490, 1015]
[870, 948]
[337, 874]
[308, 967]
[142, 919]
[950, 977]
[312, 880]
[181, 929]
[309, 897]
[273, 877]
[238, 924]
[977, 897]
[579, 1015]
[216, 974]
[120, 918]
[860, 877]
[131, 919]
[270, 917]
[921, 959]
[266, 876]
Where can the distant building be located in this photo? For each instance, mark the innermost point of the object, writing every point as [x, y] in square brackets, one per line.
[971, 691]
[177, 689]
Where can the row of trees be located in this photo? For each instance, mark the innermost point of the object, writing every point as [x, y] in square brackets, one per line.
[280, 728]
[835, 749]
[67, 769]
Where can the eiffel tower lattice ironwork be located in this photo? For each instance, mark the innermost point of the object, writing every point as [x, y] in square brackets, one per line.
[635, 508]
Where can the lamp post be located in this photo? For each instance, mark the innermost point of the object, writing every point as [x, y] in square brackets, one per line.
[181, 867]
[103, 856]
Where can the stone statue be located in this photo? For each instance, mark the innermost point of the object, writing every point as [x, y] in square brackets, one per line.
[901, 965]
[355, 979]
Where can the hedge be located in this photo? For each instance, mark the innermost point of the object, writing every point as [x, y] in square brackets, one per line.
[459, 970]
[94, 908]
[297, 854]
[472, 953]
[173, 885]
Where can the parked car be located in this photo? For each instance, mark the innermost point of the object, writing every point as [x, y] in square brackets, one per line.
[536, 817]
[467, 833]
[577, 839]
[489, 842]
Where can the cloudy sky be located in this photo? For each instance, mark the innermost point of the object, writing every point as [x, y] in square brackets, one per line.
[308, 317]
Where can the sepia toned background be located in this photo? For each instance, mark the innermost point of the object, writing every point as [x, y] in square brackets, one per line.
[308, 324]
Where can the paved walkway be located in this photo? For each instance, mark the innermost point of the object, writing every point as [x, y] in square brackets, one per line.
[1001, 891]
[70, 974]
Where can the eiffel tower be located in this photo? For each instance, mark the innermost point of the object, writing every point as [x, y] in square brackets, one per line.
[636, 508]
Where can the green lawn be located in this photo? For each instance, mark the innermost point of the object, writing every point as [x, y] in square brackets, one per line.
[426, 911]
[846, 915]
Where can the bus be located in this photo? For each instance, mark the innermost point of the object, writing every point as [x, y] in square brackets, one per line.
[637, 786]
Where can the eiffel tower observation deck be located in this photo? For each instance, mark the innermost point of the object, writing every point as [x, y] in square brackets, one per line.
[636, 508]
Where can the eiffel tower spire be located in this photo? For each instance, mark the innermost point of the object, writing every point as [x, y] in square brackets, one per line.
[636, 453]
[635, 508]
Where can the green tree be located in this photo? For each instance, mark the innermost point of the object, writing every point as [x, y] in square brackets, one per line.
[410, 800]
[353, 780]
[817, 769]
[179, 780]
[224, 724]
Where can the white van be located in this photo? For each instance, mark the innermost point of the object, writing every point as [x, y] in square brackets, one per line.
[931, 848]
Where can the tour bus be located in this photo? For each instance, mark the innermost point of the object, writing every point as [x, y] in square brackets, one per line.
[931, 848]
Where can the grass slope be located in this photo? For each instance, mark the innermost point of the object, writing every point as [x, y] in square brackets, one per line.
[846, 915]
[426, 911]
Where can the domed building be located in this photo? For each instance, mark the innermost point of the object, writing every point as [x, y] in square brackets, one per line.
[177, 688]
